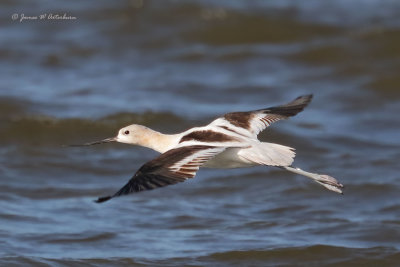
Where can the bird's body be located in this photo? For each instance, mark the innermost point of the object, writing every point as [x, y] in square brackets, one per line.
[227, 142]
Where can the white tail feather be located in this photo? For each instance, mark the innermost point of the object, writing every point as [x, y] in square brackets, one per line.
[269, 154]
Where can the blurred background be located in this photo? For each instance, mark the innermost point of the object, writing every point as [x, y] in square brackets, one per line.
[171, 65]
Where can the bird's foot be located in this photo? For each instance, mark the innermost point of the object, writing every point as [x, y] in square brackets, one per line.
[330, 183]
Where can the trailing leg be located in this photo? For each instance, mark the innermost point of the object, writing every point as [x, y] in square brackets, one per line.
[325, 180]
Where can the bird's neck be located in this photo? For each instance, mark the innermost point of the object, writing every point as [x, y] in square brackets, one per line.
[158, 141]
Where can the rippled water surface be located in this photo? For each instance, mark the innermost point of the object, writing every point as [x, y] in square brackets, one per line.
[171, 65]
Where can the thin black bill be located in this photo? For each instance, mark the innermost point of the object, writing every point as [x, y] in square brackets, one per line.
[107, 140]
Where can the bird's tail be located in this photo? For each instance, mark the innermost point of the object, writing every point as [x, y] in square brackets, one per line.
[268, 154]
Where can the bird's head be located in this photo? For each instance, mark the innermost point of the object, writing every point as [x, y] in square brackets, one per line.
[131, 134]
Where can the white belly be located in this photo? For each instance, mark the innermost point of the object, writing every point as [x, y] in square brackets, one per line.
[228, 159]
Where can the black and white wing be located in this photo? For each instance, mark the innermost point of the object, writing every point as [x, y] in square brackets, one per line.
[251, 123]
[171, 167]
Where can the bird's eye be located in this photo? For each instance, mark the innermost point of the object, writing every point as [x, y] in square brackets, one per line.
[126, 132]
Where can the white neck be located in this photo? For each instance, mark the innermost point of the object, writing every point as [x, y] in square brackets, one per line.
[158, 141]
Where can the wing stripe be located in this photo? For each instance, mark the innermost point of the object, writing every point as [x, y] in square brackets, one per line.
[253, 122]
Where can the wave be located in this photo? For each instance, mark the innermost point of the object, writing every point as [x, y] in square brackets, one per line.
[306, 256]
[315, 255]
[20, 126]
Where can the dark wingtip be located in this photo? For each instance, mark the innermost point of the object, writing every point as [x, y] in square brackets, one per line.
[299, 103]
[292, 108]
[103, 199]
[304, 98]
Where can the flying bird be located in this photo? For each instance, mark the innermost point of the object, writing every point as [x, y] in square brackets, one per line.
[229, 141]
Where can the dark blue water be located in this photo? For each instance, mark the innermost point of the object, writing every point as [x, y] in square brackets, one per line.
[172, 65]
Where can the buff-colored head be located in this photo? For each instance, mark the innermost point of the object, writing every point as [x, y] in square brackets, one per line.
[132, 134]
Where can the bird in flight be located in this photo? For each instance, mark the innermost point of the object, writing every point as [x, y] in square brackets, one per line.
[229, 141]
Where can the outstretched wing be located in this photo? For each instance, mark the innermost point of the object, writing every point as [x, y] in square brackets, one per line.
[251, 123]
[174, 166]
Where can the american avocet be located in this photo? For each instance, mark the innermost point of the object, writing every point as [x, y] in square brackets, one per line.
[227, 142]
